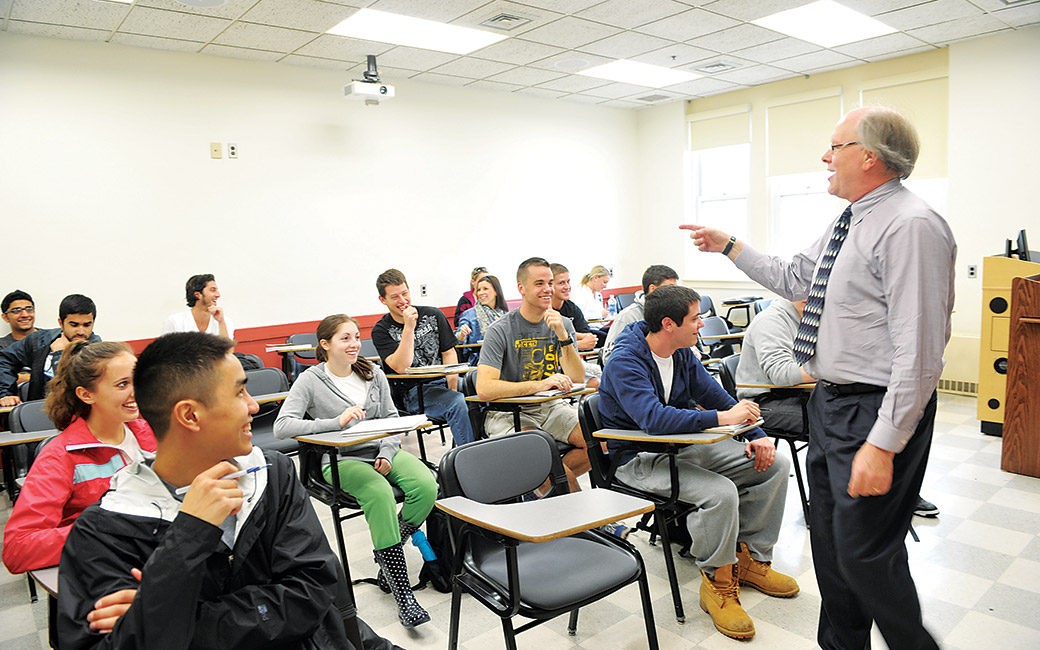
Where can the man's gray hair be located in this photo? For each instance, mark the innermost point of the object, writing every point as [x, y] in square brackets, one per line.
[888, 133]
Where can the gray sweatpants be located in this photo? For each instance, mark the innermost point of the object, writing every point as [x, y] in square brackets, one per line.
[733, 501]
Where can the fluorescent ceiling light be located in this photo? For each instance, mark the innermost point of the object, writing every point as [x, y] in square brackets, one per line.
[825, 23]
[640, 74]
[372, 25]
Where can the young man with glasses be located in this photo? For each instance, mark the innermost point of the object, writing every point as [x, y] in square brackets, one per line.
[41, 350]
[19, 311]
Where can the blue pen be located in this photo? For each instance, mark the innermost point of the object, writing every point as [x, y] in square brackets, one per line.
[239, 474]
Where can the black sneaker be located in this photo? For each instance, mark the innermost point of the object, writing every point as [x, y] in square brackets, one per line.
[925, 508]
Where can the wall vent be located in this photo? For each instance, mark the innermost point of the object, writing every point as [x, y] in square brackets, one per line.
[505, 22]
[959, 387]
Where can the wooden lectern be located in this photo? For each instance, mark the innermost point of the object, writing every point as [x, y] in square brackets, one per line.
[1021, 448]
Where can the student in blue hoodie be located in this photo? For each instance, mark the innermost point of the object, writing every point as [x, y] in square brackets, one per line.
[654, 382]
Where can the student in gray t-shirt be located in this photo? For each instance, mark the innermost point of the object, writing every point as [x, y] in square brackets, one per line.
[528, 350]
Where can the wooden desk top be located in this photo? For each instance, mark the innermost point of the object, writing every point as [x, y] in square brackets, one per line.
[284, 348]
[531, 399]
[337, 439]
[719, 337]
[470, 345]
[550, 518]
[589, 353]
[694, 438]
[7, 438]
[47, 578]
[6, 409]
[429, 375]
[804, 385]
[270, 397]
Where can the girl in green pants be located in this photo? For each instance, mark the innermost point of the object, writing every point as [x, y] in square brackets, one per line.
[338, 393]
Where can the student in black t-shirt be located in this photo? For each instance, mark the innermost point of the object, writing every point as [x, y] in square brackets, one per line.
[410, 336]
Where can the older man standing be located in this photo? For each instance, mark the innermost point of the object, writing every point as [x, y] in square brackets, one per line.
[880, 294]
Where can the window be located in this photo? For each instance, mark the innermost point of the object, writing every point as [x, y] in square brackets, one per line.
[718, 181]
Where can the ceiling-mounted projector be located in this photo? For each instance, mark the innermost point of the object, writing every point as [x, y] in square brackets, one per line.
[370, 89]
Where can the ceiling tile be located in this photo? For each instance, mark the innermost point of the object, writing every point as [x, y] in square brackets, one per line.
[517, 51]
[703, 87]
[929, 13]
[821, 59]
[615, 90]
[241, 53]
[412, 58]
[570, 32]
[879, 46]
[442, 79]
[56, 31]
[620, 103]
[574, 83]
[472, 67]
[625, 45]
[686, 26]
[316, 62]
[494, 85]
[386, 72]
[440, 10]
[233, 9]
[628, 14]
[310, 15]
[782, 49]
[674, 55]
[76, 13]
[264, 37]
[878, 7]
[541, 92]
[748, 10]
[891, 55]
[1019, 16]
[339, 47]
[736, 37]
[755, 74]
[991, 5]
[956, 30]
[172, 24]
[538, 17]
[562, 6]
[570, 62]
[526, 76]
[155, 42]
[735, 62]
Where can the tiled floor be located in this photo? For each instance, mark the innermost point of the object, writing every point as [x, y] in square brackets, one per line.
[977, 568]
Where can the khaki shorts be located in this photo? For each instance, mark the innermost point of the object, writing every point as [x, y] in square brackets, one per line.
[557, 418]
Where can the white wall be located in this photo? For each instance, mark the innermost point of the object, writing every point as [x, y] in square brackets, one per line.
[993, 166]
[105, 160]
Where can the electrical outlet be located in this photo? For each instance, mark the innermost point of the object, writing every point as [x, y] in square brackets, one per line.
[214, 150]
[232, 150]
[422, 290]
[973, 271]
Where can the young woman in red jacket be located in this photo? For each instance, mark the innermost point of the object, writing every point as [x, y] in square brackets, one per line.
[91, 400]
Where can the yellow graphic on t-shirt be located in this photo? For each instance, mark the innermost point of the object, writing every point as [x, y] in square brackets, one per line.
[537, 358]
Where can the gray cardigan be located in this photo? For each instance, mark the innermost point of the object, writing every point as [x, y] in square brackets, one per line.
[767, 350]
[315, 395]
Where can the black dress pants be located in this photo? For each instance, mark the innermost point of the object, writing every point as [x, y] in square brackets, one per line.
[858, 544]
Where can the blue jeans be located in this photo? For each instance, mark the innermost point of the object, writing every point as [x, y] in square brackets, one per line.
[442, 403]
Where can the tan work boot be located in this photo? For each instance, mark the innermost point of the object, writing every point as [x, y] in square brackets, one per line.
[761, 575]
[720, 598]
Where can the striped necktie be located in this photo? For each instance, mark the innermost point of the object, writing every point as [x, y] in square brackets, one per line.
[805, 340]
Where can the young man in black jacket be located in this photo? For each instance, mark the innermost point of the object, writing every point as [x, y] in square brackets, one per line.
[235, 562]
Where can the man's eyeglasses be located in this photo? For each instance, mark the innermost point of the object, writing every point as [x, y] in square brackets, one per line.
[835, 147]
[14, 311]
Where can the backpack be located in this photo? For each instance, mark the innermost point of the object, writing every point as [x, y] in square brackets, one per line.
[437, 572]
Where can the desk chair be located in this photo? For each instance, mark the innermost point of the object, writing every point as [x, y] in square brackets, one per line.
[707, 306]
[25, 418]
[624, 300]
[398, 390]
[293, 363]
[719, 348]
[728, 374]
[512, 577]
[477, 411]
[265, 381]
[23, 391]
[368, 350]
[743, 303]
[666, 509]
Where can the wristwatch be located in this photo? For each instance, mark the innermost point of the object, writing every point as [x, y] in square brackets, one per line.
[569, 341]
